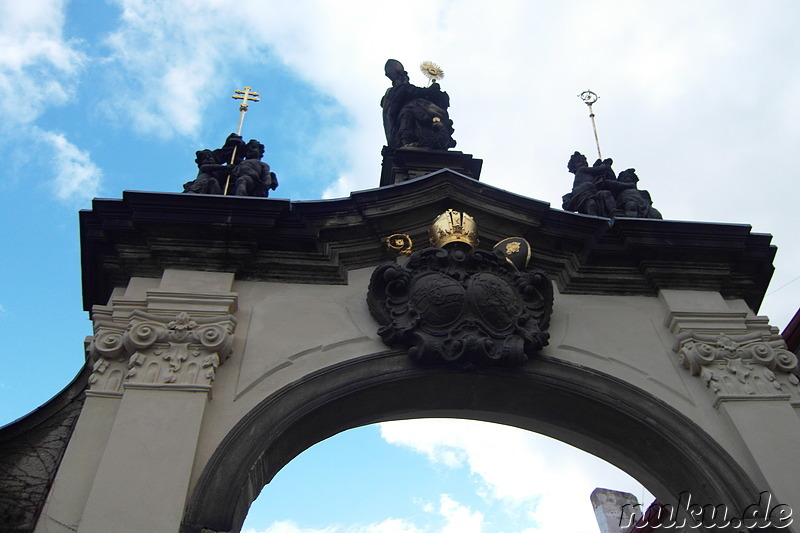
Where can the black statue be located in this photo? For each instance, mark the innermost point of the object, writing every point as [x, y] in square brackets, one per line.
[234, 169]
[586, 196]
[209, 175]
[232, 151]
[631, 202]
[597, 191]
[415, 117]
[252, 176]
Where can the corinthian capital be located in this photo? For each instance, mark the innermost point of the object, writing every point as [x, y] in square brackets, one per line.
[156, 349]
[740, 366]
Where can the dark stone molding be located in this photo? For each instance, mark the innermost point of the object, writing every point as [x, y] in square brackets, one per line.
[403, 164]
[591, 410]
[31, 449]
[319, 241]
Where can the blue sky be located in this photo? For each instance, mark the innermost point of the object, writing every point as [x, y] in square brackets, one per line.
[97, 97]
[442, 476]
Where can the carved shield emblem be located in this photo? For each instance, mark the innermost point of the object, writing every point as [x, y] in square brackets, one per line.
[467, 308]
[494, 302]
[438, 299]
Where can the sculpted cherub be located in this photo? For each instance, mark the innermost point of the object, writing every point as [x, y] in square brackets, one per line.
[252, 177]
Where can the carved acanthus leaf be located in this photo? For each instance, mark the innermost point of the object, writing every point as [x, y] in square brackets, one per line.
[740, 364]
[177, 349]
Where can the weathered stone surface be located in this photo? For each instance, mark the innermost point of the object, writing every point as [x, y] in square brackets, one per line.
[407, 164]
[30, 451]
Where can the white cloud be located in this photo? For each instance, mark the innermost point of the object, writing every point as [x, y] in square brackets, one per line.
[168, 58]
[457, 518]
[38, 67]
[390, 525]
[460, 519]
[528, 473]
[77, 177]
[287, 526]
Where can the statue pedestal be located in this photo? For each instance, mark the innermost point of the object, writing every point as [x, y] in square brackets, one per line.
[405, 164]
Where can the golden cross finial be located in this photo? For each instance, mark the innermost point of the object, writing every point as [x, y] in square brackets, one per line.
[244, 96]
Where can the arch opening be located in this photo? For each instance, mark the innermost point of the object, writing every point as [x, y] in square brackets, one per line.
[437, 475]
[594, 412]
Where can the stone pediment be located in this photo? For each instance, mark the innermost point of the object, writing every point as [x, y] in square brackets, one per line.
[271, 239]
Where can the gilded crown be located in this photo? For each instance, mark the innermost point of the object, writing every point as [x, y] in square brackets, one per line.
[453, 226]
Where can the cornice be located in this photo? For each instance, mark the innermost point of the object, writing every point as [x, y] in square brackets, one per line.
[270, 239]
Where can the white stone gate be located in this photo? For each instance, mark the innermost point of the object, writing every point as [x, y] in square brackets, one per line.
[233, 333]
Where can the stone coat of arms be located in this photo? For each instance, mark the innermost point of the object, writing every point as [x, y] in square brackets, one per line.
[467, 307]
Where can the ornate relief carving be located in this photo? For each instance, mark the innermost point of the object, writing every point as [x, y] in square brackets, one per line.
[174, 350]
[740, 365]
[466, 308]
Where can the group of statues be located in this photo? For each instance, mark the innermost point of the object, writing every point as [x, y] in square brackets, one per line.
[235, 169]
[597, 191]
[415, 117]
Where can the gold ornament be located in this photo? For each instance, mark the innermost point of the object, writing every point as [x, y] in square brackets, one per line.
[453, 226]
[431, 70]
[517, 251]
[400, 242]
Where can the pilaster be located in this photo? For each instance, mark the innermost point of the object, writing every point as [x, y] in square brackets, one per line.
[752, 380]
[157, 351]
[73, 482]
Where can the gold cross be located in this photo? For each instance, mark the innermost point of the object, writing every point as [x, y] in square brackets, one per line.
[245, 95]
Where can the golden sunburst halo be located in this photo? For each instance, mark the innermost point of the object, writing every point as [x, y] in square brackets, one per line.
[431, 70]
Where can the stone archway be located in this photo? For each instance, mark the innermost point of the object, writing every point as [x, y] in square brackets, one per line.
[585, 408]
[231, 335]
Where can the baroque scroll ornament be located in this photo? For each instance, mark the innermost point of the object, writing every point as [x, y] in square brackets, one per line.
[183, 349]
[745, 364]
[468, 308]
